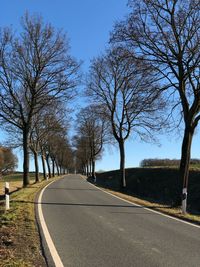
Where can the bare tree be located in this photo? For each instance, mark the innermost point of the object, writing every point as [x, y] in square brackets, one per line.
[166, 33]
[46, 126]
[54, 144]
[128, 97]
[61, 153]
[35, 148]
[8, 161]
[82, 154]
[67, 163]
[35, 69]
[92, 129]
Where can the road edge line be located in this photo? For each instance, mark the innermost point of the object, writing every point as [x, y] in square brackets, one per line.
[52, 249]
[154, 211]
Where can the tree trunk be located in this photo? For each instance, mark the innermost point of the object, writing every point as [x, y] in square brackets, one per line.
[84, 170]
[36, 166]
[53, 167]
[48, 165]
[87, 169]
[90, 168]
[185, 163]
[93, 170]
[44, 166]
[26, 180]
[122, 164]
[58, 172]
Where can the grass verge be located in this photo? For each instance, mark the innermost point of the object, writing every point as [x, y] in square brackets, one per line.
[19, 237]
[15, 180]
[174, 212]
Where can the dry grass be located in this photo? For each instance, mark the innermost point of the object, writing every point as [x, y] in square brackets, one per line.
[13, 186]
[15, 182]
[175, 212]
[19, 237]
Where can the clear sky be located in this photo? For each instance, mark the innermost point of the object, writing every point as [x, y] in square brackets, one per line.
[88, 23]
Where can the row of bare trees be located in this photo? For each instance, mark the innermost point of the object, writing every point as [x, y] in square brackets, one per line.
[166, 162]
[49, 140]
[92, 133]
[166, 35]
[126, 100]
[36, 73]
[153, 64]
[128, 95]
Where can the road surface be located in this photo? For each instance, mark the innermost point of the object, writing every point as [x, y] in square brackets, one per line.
[91, 228]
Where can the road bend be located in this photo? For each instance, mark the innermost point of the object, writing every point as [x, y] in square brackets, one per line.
[89, 227]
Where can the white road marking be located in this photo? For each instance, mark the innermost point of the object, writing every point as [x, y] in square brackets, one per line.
[156, 250]
[154, 211]
[52, 249]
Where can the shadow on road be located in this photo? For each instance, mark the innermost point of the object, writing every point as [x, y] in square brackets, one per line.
[75, 189]
[88, 205]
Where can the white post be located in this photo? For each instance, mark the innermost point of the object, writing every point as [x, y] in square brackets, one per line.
[7, 197]
[184, 200]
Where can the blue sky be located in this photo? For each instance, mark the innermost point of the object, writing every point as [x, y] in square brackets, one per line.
[88, 23]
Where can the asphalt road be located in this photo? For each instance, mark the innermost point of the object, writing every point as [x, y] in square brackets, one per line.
[91, 228]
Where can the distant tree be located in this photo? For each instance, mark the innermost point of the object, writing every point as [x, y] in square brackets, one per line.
[82, 154]
[8, 161]
[65, 156]
[35, 69]
[45, 127]
[128, 97]
[165, 162]
[166, 34]
[92, 132]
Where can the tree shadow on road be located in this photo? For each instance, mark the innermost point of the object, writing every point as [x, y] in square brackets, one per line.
[73, 189]
[87, 205]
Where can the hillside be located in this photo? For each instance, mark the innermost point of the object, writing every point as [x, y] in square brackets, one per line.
[157, 184]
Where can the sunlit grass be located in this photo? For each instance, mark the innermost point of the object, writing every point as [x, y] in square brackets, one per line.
[15, 181]
[18, 227]
[176, 212]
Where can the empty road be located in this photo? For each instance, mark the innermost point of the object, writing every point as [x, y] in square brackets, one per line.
[91, 228]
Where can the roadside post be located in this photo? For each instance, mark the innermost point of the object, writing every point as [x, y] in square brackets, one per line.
[184, 200]
[7, 196]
